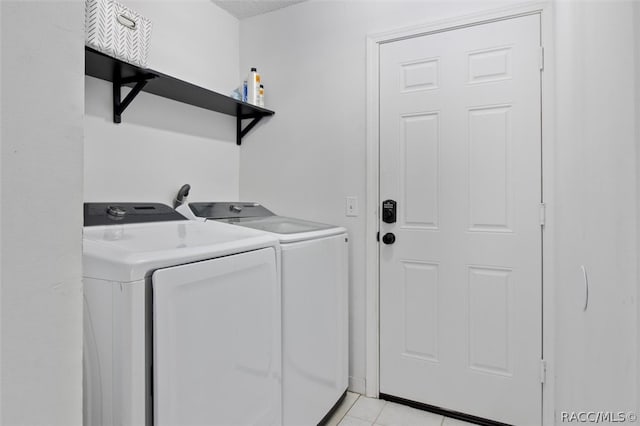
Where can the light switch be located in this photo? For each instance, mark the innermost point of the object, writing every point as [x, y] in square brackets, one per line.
[351, 206]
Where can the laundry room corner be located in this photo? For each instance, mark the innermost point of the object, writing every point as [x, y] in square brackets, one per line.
[162, 144]
[319, 212]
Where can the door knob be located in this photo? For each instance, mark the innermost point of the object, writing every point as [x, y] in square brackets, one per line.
[388, 238]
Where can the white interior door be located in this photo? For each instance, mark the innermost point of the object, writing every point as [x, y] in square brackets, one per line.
[216, 342]
[460, 152]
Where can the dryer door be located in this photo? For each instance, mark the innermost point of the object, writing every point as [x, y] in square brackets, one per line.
[216, 342]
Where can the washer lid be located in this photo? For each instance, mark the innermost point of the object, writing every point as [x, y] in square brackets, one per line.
[130, 252]
[256, 216]
[280, 224]
[288, 229]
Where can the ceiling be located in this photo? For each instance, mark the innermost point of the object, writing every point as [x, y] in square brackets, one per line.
[246, 8]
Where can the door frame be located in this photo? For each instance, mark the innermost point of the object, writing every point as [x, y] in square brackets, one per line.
[372, 264]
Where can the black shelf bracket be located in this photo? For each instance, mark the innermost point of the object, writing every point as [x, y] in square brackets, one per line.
[240, 132]
[119, 104]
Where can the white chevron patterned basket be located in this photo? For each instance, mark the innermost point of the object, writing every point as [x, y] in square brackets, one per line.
[117, 31]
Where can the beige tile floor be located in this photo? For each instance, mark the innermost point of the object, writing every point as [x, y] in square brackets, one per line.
[358, 410]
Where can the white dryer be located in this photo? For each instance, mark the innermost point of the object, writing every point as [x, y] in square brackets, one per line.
[314, 301]
[182, 320]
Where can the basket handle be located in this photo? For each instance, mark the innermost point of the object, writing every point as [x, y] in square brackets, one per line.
[126, 21]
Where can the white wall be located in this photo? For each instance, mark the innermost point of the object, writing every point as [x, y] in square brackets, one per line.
[637, 63]
[1, 133]
[311, 154]
[595, 207]
[41, 188]
[162, 144]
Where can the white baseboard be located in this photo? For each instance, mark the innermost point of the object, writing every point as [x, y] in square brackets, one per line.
[357, 384]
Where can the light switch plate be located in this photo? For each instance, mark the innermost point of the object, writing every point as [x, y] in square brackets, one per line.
[351, 206]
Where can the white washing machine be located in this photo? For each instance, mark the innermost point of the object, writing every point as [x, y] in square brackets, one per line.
[314, 301]
[182, 320]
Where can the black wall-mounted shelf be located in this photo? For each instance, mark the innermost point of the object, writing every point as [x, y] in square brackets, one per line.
[121, 74]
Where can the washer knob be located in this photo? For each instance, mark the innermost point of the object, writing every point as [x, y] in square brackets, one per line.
[116, 212]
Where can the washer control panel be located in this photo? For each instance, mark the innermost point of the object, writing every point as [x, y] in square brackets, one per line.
[226, 210]
[125, 213]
